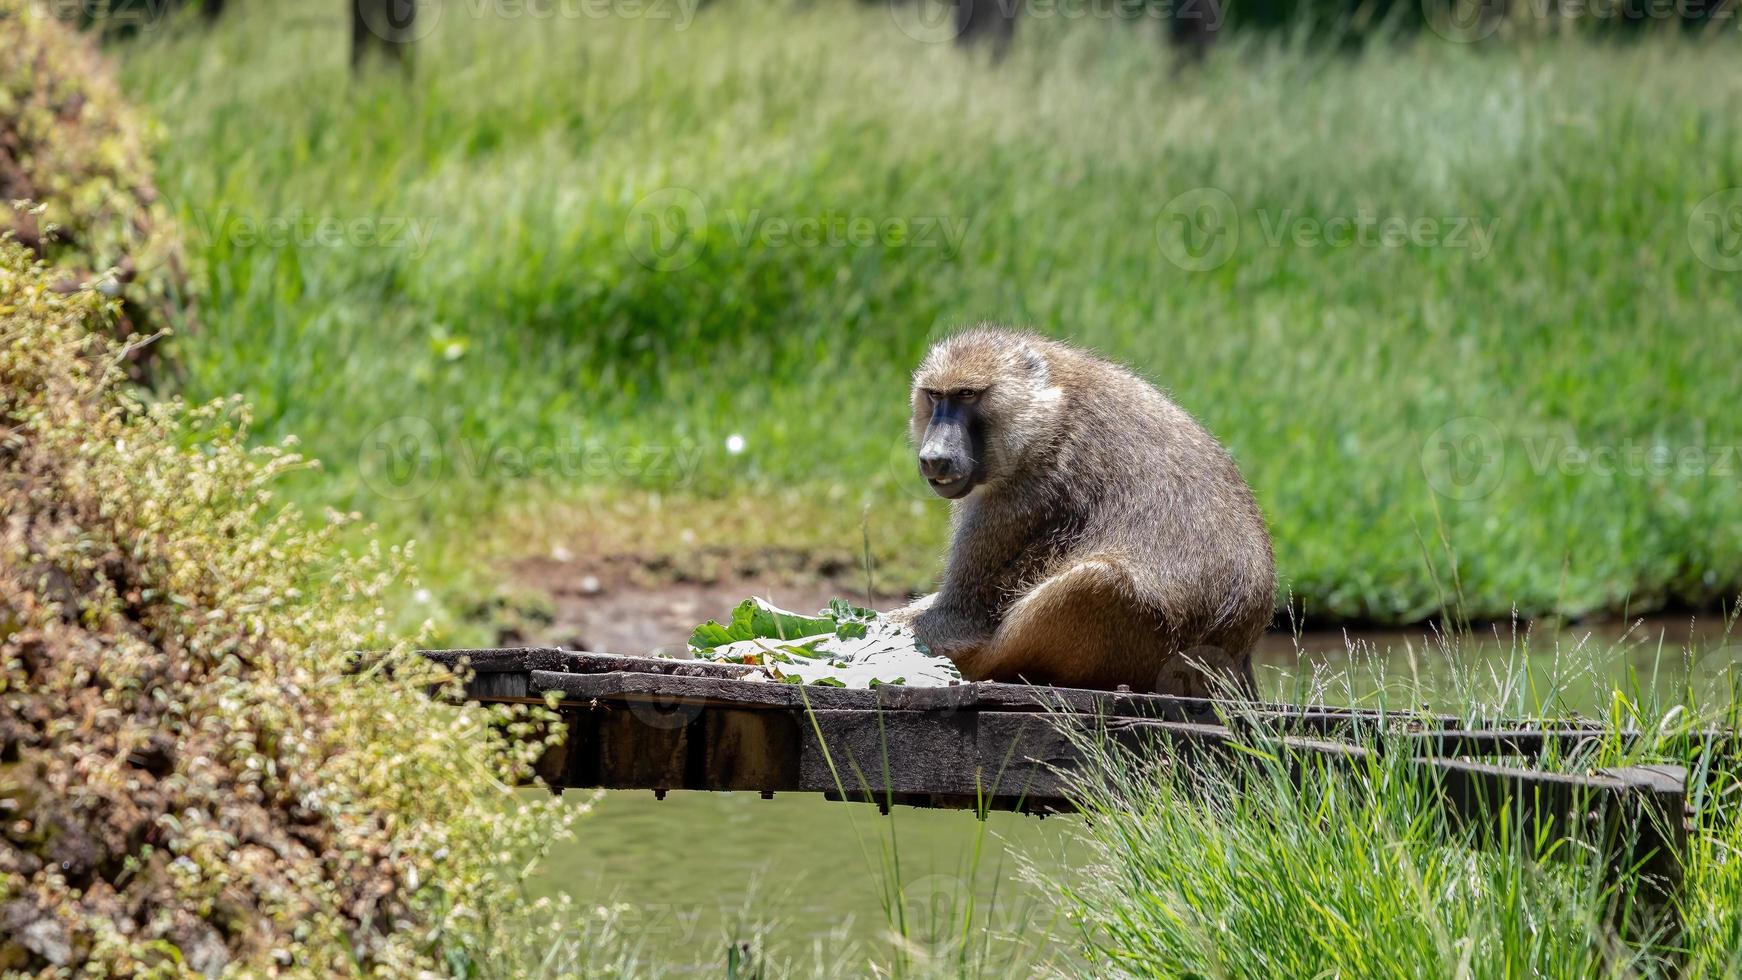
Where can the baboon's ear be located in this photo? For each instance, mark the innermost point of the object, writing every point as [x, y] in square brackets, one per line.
[1036, 365]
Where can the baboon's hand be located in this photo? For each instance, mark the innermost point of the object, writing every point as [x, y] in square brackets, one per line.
[906, 615]
[946, 632]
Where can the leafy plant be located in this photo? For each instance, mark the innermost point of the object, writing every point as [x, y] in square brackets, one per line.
[196, 772]
[842, 646]
[76, 182]
[757, 619]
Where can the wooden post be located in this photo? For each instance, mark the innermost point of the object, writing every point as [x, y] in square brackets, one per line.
[1193, 27]
[986, 20]
[1655, 828]
[386, 27]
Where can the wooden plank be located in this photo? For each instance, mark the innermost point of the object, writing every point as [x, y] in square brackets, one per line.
[878, 752]
[756, 751]
[972, 697]
[1634, 816]
[977, 695]
[1460, 736]
[615, 747]
[1656, 812]
[1423, 737]
[527, 659]
[974, 761]
[668, 689]
[1528, 737]
[646, 723]
[1523, 743]
[710, 689]
[498, 687]
[1021, 760]
[632, 754]
[676, 693]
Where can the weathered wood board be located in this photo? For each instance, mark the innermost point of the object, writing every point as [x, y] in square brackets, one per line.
[657, 724]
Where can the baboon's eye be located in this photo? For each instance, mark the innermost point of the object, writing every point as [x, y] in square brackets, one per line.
[967, 395]
[930, 396]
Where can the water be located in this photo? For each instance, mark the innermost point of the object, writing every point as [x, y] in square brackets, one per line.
[1524, 670]
[696, 871]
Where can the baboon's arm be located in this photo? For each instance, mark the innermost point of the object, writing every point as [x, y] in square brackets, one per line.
[945, 631]
[1070, 629]
[984, 565]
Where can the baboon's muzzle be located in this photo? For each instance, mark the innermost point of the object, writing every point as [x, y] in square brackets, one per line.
[949, 455]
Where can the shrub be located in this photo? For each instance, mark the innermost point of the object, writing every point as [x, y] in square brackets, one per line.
[193, 776]
[70, 142]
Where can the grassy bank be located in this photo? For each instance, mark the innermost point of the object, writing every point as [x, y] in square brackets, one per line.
[574, 257]
[1269, 867]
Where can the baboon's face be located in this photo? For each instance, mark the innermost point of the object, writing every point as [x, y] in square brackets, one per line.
[952, 453]
[979, 400]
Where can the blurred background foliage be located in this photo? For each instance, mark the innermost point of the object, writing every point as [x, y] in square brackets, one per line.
[597, 269]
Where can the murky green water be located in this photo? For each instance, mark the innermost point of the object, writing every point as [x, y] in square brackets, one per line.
[696, 871]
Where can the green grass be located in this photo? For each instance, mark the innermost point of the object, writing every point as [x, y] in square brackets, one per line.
[1267, 865]
[1217, 874]
[545, 156]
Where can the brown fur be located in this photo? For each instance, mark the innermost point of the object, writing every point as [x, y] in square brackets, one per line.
[1112, 540]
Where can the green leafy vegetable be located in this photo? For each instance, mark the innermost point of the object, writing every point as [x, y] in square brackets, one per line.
[754, 619]
[841, 646]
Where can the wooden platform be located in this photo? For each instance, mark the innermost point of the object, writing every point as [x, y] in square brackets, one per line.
[661, 725]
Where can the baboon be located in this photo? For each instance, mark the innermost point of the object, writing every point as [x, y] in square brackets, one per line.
[1102, 537]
